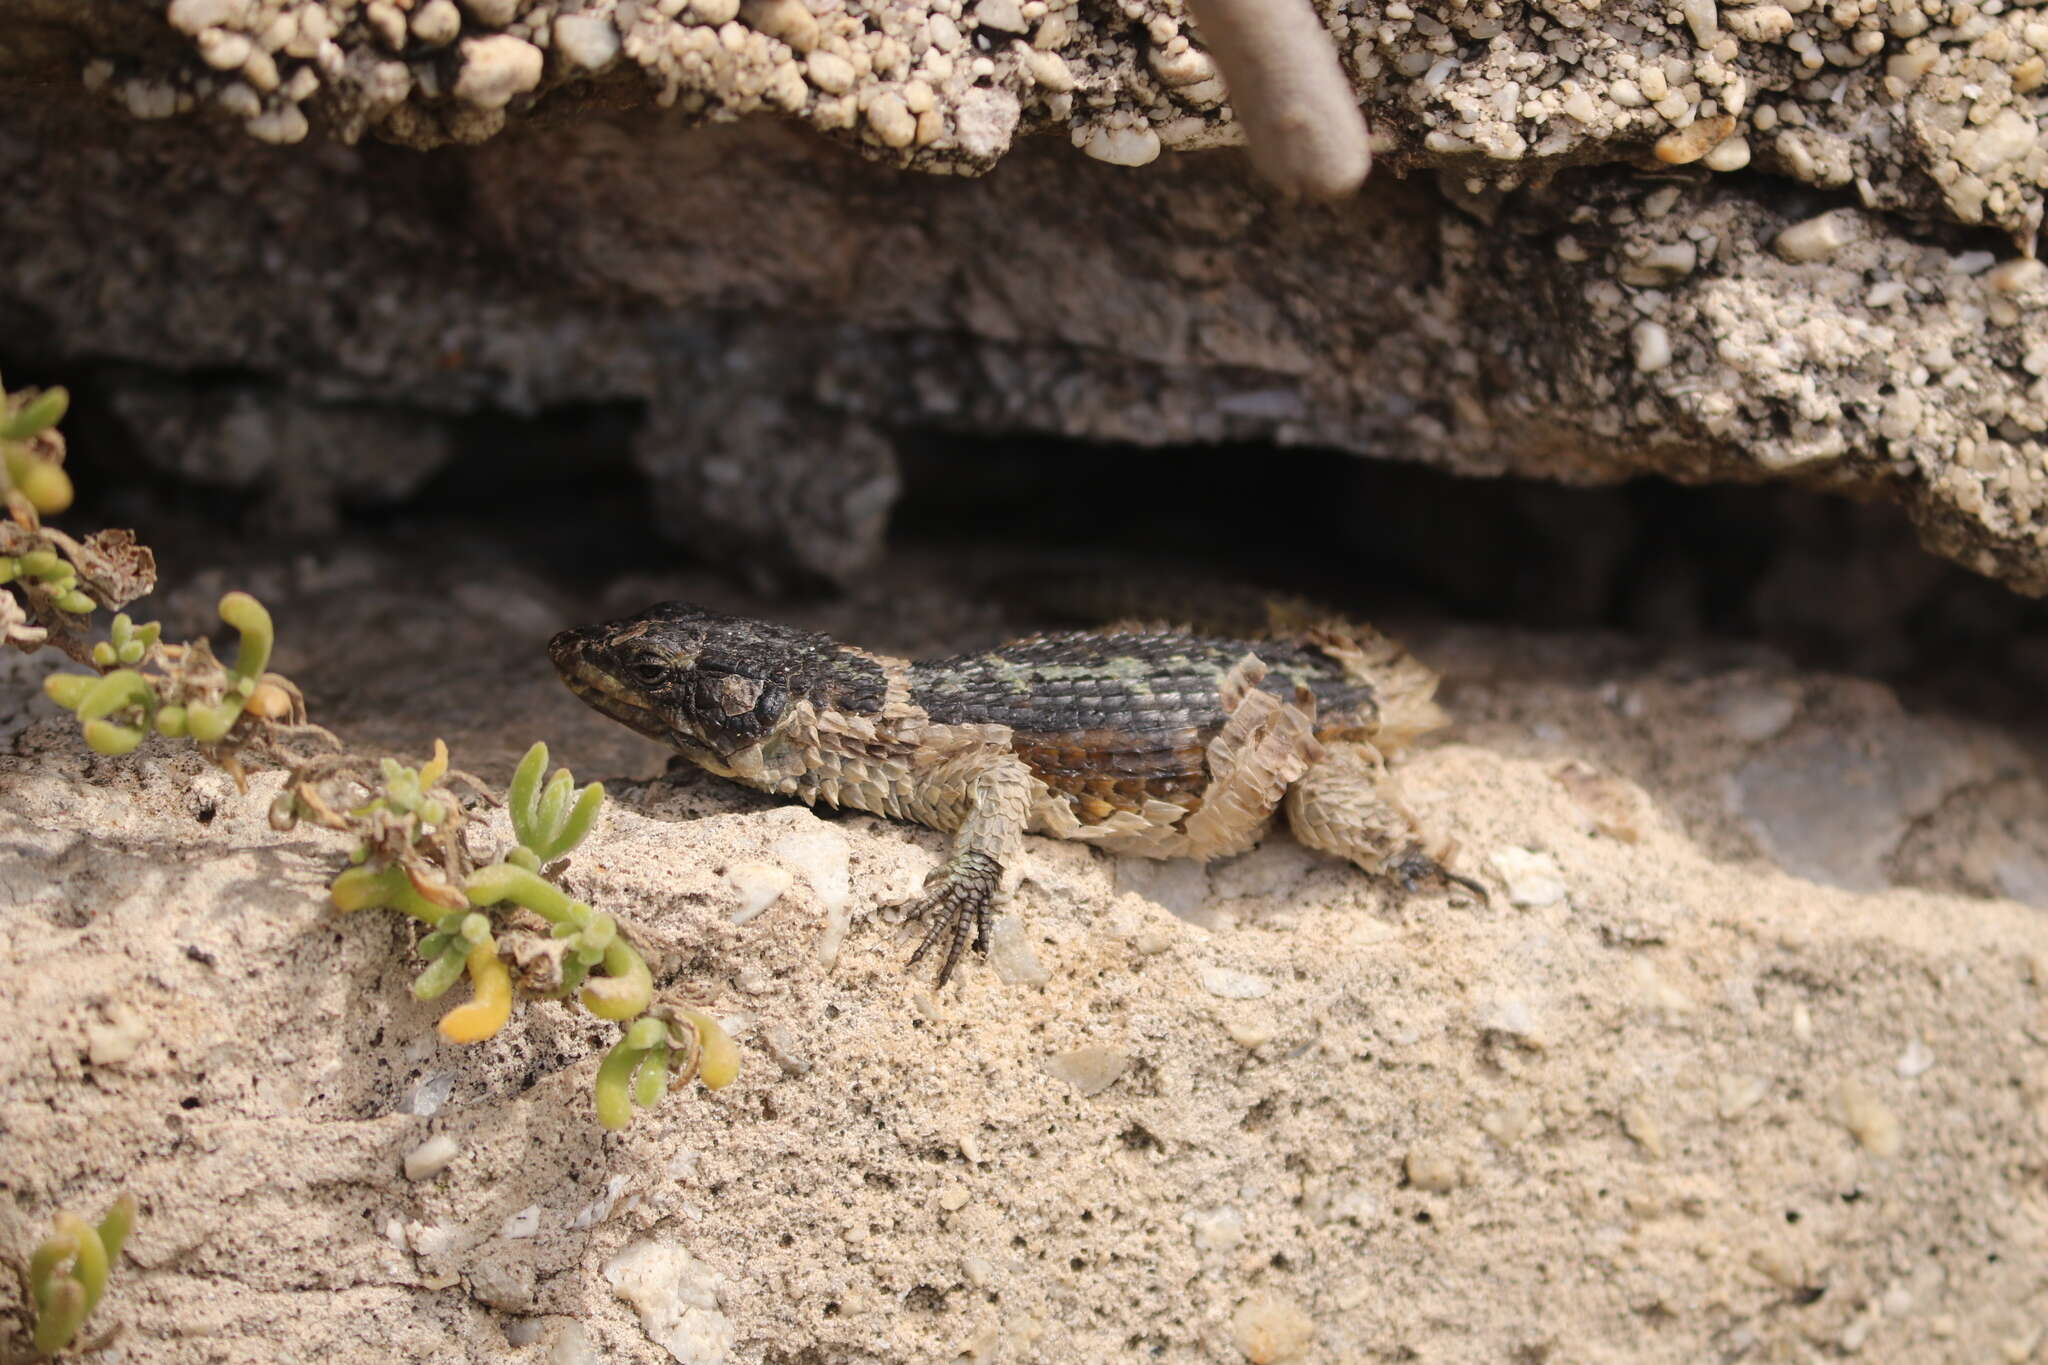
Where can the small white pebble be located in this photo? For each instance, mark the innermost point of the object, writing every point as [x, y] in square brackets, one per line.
[830, 72]
[1122, 146]
[1664, 263]
[281, 126]
[495, 69]
[1229, 984]
[436, 23]
[2016, 275]
[1650, 345]
[1090, 1070]
[1736, 1094]
[953, 1198]
[1817, 238]
[1702, 17]
[1533, 879]
[784, 1049]
[1151, 942]
[600, 1208]
[1868, 1119]
[818, 853]
[1731, 154]
[116, 1040]
[222, 50]
[1642, 1126]
[524, 1223]
[429, 1239]
[1435, 1172]
[1916, 1060]
[431, 1157]
[585, 42]
[191, 17]
[261, 71]
[1216, 1229]
[387, 23]
[1270, 1328]
[1510, 1121]
[493, 13]
[1251, 1031]
[755, 887]
[1050, 70]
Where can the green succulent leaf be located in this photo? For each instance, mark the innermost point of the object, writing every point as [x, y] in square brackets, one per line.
[59, 1317]
[247, 615]
[444, 971]
[613, 1088]
[40, 413]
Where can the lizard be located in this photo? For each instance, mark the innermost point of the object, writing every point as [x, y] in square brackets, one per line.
[1138, 739]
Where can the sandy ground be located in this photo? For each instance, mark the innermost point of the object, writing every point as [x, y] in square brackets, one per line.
[1663, 1100]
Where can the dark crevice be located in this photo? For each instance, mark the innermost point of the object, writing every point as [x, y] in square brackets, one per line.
[1833, 584]
[1830, 583]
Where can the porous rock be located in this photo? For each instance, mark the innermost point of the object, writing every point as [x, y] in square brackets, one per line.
[1520, 302]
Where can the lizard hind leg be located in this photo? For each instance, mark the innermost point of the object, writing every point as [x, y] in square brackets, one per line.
[1348, 804]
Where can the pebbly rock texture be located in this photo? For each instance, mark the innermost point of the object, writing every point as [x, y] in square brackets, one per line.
[1660, 1101]
[1706, 242]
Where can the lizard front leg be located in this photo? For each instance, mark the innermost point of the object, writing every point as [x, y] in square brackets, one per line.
[984, 795]
[1347, 803]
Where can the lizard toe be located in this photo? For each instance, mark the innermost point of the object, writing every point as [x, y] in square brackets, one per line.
[955, 909]
[1416, 869]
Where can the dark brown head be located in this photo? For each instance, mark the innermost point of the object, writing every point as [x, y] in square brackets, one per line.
[710, 684]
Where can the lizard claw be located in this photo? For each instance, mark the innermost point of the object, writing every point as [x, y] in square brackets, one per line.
[1414, 868]
[955, 905]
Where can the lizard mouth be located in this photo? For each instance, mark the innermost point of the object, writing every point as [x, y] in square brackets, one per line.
[602, 690]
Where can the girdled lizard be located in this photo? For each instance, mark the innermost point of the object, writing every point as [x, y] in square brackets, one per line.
[1141, 740]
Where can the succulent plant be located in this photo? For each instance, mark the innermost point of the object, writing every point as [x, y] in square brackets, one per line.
[67, 1272]
[412, 860]
[182, 691]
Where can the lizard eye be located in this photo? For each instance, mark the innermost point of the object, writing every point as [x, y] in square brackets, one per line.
[649, 672]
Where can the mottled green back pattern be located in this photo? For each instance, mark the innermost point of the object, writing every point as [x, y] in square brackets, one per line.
[1113, 719]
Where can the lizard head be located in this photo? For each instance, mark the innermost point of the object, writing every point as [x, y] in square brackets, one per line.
[709, 684]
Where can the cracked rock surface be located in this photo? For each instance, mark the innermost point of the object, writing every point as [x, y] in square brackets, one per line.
[1711, 242]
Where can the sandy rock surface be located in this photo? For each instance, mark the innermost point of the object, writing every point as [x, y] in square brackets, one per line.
[1660, 1100]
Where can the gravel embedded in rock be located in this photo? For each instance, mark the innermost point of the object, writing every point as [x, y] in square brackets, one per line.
[891, 119]
[1227, 983]
[1817, 238]
[1090, 1070]
[755, 887]
[1867, 1117]
[431, 1157]
[1533, 879]
[586, 42]
[676, 1296]
[495, 69]
[1270, 1328]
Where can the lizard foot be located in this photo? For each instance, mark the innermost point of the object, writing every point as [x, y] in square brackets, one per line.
[1415, 868]
[955, 906]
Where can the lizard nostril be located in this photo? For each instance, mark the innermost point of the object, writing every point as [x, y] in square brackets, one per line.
[566, 647]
